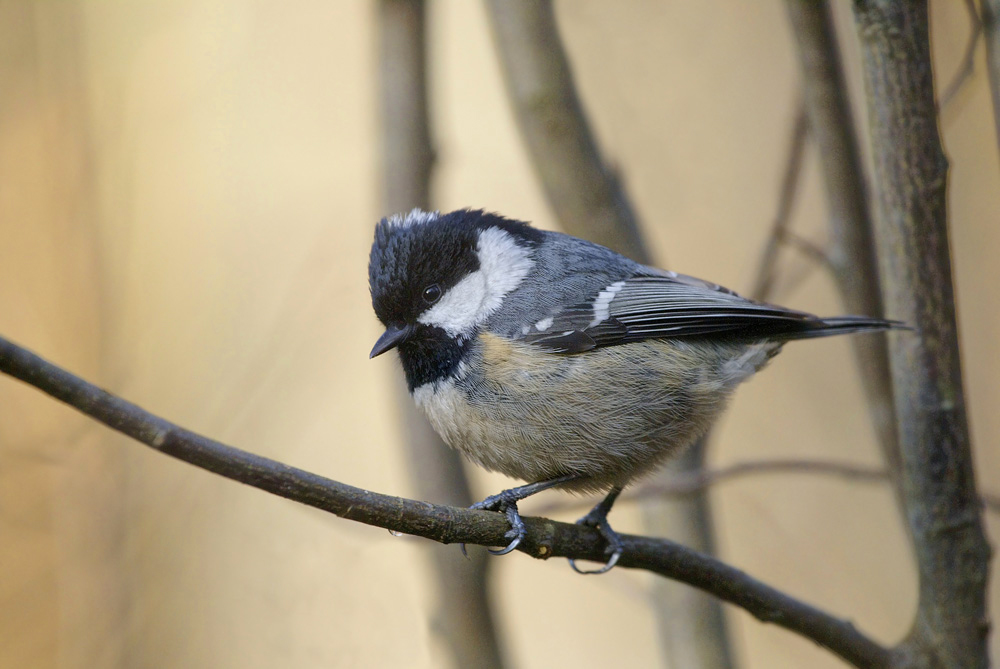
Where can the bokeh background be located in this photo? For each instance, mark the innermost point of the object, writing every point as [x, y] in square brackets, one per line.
[187, 195]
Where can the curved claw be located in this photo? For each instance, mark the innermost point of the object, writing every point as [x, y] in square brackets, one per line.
[501, 551]
[612, 561]
[511, 546]
[598, 519]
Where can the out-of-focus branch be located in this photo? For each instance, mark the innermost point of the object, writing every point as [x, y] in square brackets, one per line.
[767, 270]
[942, 505]
[590, 201]
[690, 483]
[586, 195]
[991, 31]
[464, 617]
[967, 65]
[692, 627]
[544, 538]
[407, 153]
[852, 257]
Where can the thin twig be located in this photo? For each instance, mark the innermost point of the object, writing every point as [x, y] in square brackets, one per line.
[544, 538]
[689, 483]
[808, 248]
[763, 285]
[967, 66]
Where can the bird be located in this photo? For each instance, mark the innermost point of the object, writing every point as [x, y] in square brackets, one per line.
[560, 362]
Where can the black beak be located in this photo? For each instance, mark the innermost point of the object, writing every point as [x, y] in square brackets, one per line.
[391, 338]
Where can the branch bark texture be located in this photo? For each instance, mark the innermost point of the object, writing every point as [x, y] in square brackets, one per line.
[939, 485]
[544, 539]
[464, 615]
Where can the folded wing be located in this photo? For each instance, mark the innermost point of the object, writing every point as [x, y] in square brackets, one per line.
[668, 305]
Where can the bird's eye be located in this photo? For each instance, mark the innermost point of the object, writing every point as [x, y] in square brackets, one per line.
[432, 293]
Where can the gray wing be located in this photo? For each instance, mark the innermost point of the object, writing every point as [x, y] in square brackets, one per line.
[668, 305]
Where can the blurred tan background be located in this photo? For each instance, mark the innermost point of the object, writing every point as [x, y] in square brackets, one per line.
[187, 195]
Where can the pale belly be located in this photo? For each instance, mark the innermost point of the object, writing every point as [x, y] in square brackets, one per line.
[608, 415]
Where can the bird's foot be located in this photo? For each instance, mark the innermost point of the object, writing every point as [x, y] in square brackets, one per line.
[506, 503]
[597, 518]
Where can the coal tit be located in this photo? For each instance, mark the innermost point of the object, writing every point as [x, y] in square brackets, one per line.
[560, 362]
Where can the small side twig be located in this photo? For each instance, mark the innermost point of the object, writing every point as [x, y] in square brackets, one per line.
[690, 483]
[991, 32]
[967, 66]
[763, 285]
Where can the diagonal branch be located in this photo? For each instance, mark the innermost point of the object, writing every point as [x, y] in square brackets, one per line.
[767, 267]
[852, 259]
[586, 195]
[545, 538]
[590, 201]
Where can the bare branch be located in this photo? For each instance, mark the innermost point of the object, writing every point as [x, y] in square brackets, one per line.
[939, 486]
[693, 482]
[808, 248]
[763, 285]
[703, 479]
[585, 193]
[544, 539]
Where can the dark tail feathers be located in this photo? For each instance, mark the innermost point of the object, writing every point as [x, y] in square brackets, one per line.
[826, 327]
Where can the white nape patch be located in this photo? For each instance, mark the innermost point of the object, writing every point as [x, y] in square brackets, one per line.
[415, 217]
[544, 324]
[603, 302]
[525, 329]
[503, 264]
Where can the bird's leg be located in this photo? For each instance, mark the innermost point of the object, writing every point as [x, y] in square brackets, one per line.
[598, 519]
[506, 503]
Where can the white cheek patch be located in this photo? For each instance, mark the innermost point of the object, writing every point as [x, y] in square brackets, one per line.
[602, 304]
[503, 264]
[458, 310]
